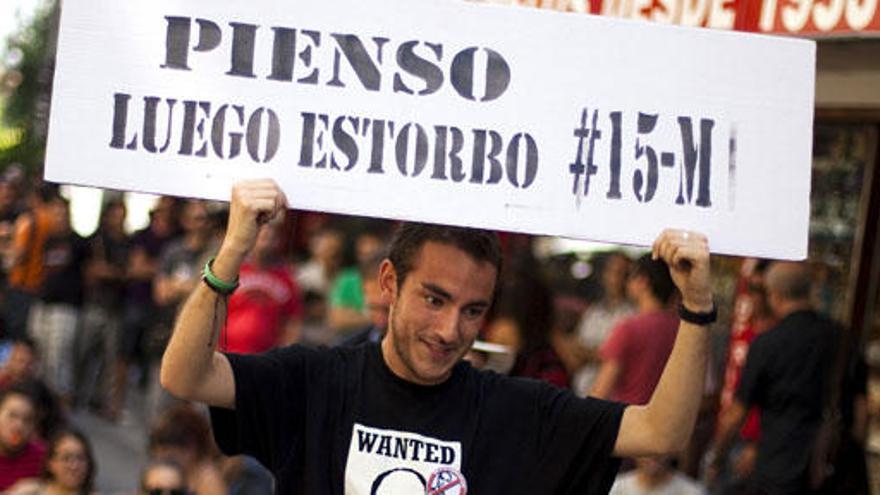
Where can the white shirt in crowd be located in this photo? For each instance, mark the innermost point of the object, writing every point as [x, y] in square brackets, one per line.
[629, 484]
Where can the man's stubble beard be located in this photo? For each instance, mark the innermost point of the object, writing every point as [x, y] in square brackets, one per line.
[396, 344]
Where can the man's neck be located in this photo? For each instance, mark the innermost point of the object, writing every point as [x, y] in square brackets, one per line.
[649, 304]
[195, 241]
[614, 302]
[397, 366]
[788, 307]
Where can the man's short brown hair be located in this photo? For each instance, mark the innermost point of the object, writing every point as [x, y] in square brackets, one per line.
[409, 238]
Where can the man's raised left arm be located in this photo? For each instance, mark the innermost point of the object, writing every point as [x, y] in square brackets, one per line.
[665, 423]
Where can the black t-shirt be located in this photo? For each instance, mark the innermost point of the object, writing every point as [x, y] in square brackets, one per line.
[108, 293]
[785, 374]
[334, 421]
[64, 259]
[141, 291]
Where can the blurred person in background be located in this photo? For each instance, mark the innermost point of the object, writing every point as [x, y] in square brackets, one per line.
[163, 477]
[375, 305]
[598, 320]
[24, 259]
[636, 351]
[21, 453]
[314, 278]
[183, 434]
[180, 269]
[266, 310]
[346, 311]
[523, 322]
[21, 369]
[54, 318]
[751, 317]
[788, 375]
[140, 310]
[9, 211]
[850, 474]
[325, 259]
[68, 468]
[97, 344]
[655, 476]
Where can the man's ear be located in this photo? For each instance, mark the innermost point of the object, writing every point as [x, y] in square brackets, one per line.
[388, 281]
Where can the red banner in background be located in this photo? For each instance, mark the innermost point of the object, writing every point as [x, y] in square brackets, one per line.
[811, 18]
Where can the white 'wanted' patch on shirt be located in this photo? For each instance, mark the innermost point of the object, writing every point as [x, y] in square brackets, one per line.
[386, 462]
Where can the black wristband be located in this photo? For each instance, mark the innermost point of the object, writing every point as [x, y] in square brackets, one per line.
[698, 318]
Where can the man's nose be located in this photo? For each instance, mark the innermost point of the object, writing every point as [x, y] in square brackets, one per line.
[448, 328]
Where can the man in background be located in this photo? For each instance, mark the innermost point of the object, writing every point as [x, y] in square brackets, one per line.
[266, 310]
[636, 352]
[786, 375]
[24, 259]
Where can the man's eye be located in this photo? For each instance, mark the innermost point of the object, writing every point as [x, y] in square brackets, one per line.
[474, 312]
[433, 300]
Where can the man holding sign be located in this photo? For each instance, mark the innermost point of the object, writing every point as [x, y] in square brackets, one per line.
[408, 415]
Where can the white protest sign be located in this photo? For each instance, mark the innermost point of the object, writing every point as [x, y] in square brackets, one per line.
[443, 111]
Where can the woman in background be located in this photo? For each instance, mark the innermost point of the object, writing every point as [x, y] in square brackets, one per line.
[68, 468]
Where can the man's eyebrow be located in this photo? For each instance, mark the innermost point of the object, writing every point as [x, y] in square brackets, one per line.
[437, 290]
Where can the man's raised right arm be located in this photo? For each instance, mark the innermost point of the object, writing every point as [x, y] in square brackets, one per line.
[191, 368]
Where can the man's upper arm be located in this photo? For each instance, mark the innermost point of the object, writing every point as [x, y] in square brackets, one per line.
[218, 389]
[635, 438]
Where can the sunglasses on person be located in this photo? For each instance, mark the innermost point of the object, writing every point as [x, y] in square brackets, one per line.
[166, 491]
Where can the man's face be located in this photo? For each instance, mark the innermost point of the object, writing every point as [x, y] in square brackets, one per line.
[437, 312]
[16, 423]
[327, 248]
[614, 276]
[268, 241]
[21, 363]
[60, 214]
[195, 218]
[636, 285]
[115, 217]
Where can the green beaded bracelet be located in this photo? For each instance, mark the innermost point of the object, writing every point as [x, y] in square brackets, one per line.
[219, 286]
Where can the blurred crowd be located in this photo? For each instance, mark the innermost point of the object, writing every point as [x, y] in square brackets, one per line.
[85, 321]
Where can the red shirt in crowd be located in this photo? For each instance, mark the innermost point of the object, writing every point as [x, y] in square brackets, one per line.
[265, 300]
[640, 345]
[745, 327]
[25, 465]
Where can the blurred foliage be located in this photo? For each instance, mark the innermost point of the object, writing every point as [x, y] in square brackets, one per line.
[27, 83]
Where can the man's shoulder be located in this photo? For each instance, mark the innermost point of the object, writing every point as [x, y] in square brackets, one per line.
[795, 327]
